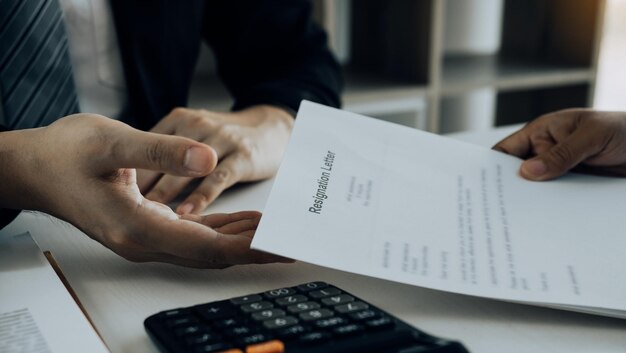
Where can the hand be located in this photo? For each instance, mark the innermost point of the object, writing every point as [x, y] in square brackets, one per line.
[249, 144]
[79, 169]
[587, 140]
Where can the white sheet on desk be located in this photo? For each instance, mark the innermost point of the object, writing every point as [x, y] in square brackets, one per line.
[37, 313]
[417, 208]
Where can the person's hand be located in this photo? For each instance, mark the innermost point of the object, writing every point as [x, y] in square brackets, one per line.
[581, 139]
[249, 144]
[80, 170]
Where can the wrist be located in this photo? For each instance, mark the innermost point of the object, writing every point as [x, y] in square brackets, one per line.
[18, 170]
[268, 114]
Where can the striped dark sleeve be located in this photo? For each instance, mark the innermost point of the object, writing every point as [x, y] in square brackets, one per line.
[6, 215]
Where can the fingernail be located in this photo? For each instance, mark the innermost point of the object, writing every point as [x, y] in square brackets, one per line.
[534, 167]
[197, 160]
[185, 208]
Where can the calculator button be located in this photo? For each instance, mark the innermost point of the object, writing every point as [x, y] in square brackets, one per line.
[380, 323]
[213, 347]
[347, 330]
[246, 299]
[281, 292]
[238, 331]
[215, 311]
[326, 292]
[267, 314]
[190, 330]
[302, 307]
[226, 323]
[379, 342]
[292, 331]
[252, 339]
[338, 299]
[252, 307]
[312, 286]
[204, 338]
[363, 315]
[173, 313]
[181, 321]
[291, 299]
[280, 322]
[315, 314]
[274, 346]
[351, 307]
[330, 322]
[314, 337]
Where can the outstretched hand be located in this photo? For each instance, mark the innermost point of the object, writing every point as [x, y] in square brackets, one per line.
[82, 169]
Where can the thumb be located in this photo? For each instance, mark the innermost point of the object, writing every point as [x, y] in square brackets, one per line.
[559, 159]
[163, 153]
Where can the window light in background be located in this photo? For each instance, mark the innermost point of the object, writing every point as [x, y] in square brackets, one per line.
[610, 91]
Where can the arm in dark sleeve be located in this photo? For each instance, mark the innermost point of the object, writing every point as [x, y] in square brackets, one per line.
[271, 52]
[6, 215]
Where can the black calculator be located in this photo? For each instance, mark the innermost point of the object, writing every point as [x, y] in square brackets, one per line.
[313, 317]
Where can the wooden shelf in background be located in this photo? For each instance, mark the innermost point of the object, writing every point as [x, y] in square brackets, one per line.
[463, 74]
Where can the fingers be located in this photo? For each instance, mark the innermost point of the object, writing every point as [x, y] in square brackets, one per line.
[167, 188]
[183, 241]
[226, 174]
[167, 154]
[146, 179]
[244, 225]
[164, 188]
[217, 220]
[517, 144]
[562, 157]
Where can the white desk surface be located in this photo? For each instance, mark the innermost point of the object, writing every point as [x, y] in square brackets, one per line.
[119, 294]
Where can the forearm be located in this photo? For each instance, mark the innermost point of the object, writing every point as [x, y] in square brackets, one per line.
[6, 215]
[271, 52]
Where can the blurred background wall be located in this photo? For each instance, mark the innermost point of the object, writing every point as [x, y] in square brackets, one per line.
[458, 65]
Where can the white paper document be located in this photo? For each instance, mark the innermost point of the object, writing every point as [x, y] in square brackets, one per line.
[37, 313]
[378, 199]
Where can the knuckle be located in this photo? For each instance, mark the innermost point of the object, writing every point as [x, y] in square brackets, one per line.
[221, 176]
[98, 134]
[200, 123]
[247, 148]
[155, 153]
[561, 156]
[228, 132]
[179, 111]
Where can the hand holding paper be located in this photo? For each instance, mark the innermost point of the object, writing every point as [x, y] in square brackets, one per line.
[417, 208]
[588, 140]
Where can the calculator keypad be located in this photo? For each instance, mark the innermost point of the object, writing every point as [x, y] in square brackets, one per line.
[311, 317]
